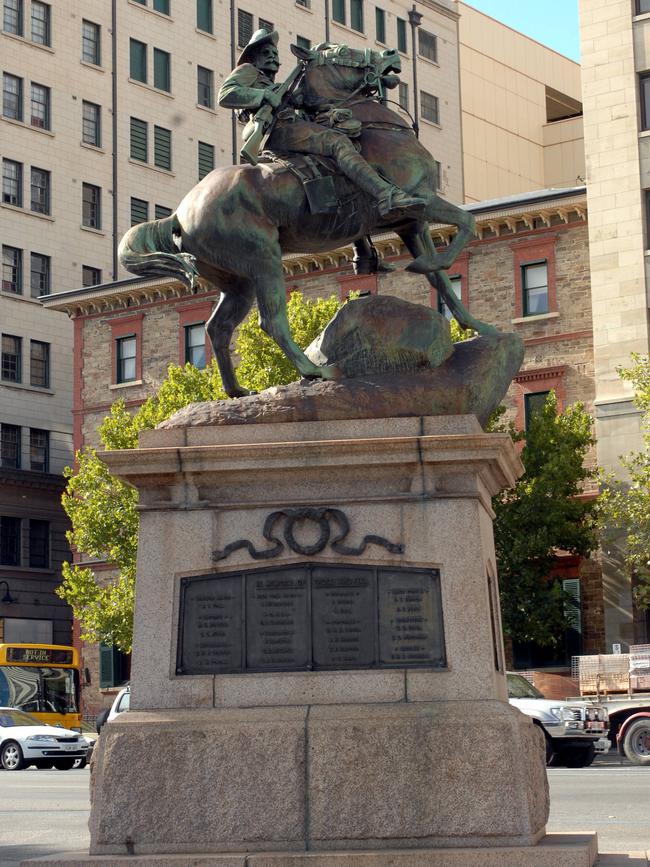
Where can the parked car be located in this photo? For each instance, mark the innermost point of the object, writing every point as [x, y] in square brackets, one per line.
[574, 731]
[90, 736]
[25, 741]
[120, 705]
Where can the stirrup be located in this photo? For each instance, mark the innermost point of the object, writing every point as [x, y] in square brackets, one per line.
[397, 200]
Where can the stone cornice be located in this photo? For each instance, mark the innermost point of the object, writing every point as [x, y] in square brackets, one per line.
[509, 218]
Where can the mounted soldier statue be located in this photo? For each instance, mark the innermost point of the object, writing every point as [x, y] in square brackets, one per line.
[316, 191]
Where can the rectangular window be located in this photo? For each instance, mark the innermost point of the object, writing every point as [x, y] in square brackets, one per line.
[125, 356]
[91, 124]
[380, 25]
[244, 27]
[90, 276]
[438, 181]
[303, 42]
[338, 11]
[9, 540]
[533, 404]
[39, 447]
[39, 112]
[12, 96]
[39, 364]
[114, 669]
[204, 15]
[642, 6]
[12, 21]
[162, 148]
[10, 446]
[428, 45]
[265, 25]
[40, 191]
[161, 212]
[403, 95]
[162, 64]
[39, 543]
[39, 275]
[139, 143]
[12, 267]
[430, 107]
[139, 211]
[12, 183]
[90, 43]
[11, 358]
[195, 345]
[206, 159]
[137, 60]
[306, 4]
[40, 23]
[456, 286]
[205, 86]
[401, 36]
[356, 15]
[534, 284]
[91, 211]
[161, 6]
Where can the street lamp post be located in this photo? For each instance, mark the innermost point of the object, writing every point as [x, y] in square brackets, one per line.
[415, 19]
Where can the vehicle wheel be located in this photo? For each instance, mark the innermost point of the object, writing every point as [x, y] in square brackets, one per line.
[80, 763]
[11, 757]
[636, 743]
[102, 716]
[550, 754]
[63, 764]
[579, 757]
[43, 764]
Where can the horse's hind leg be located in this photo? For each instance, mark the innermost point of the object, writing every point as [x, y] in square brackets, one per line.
[227, 315]
[272, 308]
[419, 242]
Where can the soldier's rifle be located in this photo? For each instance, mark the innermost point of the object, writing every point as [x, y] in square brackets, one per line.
[265, 118]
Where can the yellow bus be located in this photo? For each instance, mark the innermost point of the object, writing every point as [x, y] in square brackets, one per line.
[41, 679]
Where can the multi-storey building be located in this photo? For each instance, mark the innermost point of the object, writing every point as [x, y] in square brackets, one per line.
[616, 92]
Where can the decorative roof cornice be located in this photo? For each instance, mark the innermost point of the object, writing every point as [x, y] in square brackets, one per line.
[507, 217]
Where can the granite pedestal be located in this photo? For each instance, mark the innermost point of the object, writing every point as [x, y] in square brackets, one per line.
[408, 764]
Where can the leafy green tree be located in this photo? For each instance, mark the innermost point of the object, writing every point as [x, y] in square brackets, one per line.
[627, 503]
[102, 509]
[542, 515]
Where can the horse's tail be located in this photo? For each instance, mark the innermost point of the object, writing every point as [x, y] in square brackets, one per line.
[153, 250]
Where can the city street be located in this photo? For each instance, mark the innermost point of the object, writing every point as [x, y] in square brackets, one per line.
[42, 812]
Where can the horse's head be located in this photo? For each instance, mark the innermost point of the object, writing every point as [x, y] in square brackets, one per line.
[335, 72]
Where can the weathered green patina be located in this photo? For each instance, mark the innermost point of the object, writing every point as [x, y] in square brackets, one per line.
[234, 226]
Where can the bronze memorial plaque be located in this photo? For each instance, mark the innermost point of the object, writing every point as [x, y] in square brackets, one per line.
[308, 617]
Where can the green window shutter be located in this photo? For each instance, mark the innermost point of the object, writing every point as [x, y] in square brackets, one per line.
[161, 6]
[572, 609]
[356, 15]
[244, 27]
[380, 25]
[106, 666]
[138, 60]
[206, 159]
[161, 70]
[338, 11]
[139, 211]
[138, 139]
[401, 36]
[204, 15]
[162, 148]
[161, 212]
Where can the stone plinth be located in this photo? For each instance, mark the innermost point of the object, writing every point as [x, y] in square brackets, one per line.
[407, 766]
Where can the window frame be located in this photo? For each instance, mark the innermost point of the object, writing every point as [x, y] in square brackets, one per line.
[138, 55]
[45, 278]
[47, 26]
[42, 381]
[121, 374]
[401, 36]
[204, 148]
[9, 182]
[45, 103]
[89, 207]
[138, 139]
[191, 348]
[16, 266]
[41, 449]
[191, 315]
[529, 410]
[162, 76]
[17, 438]
[10, 96]
[90, 124]
[17, 534]
[423, 37]
[380, 25]
[91, 42]
[39, 544]
[528, 252]
[245, 23]
[403, 95]
[339, 12]
[162, 148]
[425, 96]
[204, 89]
[85, 270]
[525, 289]
[204, 14]
[537, 380]
[357, 16]
[16, 354]
[139, 211]
[638, 7]
[126, 326]
[19, 11]
[40, 193]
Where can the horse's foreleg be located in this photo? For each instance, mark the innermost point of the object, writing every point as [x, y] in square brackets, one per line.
[420, 244]
[272, 307]
[227, 315]
[444, 212]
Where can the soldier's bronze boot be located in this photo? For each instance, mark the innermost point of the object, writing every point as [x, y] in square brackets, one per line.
[395, 200]
[390, 199]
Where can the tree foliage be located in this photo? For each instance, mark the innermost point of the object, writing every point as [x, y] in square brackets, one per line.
[542, 515]
[102, 509]
[627, 503]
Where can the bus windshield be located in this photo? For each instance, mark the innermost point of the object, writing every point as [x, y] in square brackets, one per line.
[37, 689]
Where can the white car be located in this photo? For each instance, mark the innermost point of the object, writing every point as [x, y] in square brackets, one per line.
[24, 741]
[120, 705]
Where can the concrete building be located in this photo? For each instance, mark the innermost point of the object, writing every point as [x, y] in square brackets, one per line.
[616, 88]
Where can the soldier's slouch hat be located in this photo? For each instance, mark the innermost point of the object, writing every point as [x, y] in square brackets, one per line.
[260, 37]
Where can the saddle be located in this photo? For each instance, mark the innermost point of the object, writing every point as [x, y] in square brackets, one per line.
[319, 177]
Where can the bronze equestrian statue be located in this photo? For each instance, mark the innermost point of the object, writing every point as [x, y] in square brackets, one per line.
[233, 227]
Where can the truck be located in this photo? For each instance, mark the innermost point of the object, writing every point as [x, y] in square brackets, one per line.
[620, 682]
[574, 730]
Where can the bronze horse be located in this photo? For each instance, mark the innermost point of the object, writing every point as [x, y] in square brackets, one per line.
[232, 228]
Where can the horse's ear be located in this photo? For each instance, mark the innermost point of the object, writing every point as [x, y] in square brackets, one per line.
[302, 53]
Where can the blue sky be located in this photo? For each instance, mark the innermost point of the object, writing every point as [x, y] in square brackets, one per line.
[552, 22]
